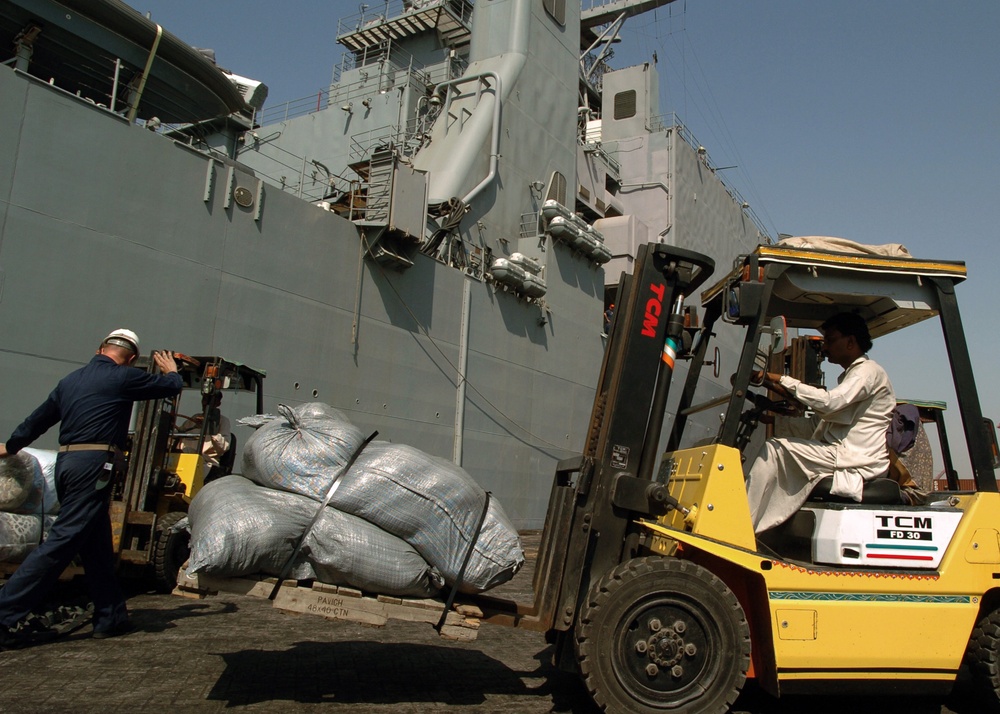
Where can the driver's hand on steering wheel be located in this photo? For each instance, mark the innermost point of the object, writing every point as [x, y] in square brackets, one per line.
[771, 381]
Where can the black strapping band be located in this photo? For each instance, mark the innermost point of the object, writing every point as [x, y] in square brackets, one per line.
[319, 512]
[461, 573]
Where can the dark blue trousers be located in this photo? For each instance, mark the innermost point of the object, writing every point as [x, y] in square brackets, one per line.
[83, 527]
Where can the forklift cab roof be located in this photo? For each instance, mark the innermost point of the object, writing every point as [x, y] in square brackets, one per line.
[786, 285]
[808, 286]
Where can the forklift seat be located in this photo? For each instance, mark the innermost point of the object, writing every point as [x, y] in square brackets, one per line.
[882, 491]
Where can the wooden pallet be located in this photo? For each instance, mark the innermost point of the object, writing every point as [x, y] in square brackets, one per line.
[335, 602]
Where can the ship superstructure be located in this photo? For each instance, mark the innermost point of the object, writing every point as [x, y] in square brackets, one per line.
[430, 244]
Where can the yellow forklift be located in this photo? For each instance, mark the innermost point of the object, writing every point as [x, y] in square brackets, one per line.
[871, 597]
[167, 464]
[650, 581]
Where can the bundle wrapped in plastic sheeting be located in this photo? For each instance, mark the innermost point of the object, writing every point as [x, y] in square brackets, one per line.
[43, 497]
[434, 506]
[347, 550]
[302, 452]
[430, 503]
[17, 478]
[239, 528]
[19, 534]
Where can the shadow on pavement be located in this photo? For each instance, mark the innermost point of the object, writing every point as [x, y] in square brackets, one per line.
[158, 620]
[362, 672]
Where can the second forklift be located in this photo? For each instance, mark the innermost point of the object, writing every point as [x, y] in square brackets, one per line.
[167, 465]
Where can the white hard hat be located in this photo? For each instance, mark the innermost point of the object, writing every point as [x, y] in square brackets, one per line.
[123, 338]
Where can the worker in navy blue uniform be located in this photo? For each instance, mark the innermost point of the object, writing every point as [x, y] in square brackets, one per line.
[93, 406]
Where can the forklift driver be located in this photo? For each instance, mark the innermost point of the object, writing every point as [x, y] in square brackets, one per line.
[218, 433]
[849, 442]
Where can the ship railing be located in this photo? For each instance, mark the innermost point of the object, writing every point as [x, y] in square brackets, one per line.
[390, 53]
[381, 53]
[393, 69]
[670, 122]
[375, 13]
[295, 108]
[453, 68]
[594, 5]
[106, 89]
[402, 141]
[596, 148]
[529, 224]
[306, 178]
[416, 130]
[367, 85]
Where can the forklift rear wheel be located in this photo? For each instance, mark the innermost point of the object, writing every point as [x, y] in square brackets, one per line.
[172, 548]
[983, 656]
[662, 634]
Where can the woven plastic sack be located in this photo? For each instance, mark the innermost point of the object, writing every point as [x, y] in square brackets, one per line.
[301, 452]
[42, 497]
[434, 506]
[239, 528]
[347, 550]
[19, 535]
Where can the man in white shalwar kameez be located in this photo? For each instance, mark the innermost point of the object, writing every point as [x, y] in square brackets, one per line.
[849, 442]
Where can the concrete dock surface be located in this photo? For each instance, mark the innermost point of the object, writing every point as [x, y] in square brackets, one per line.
[234, 653]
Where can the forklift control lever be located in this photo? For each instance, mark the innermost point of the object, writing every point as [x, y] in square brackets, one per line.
[659, 493]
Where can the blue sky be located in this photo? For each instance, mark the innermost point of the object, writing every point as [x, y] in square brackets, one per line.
[874, 120]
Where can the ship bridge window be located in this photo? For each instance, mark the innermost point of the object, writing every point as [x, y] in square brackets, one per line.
[625, 104]
[556, 10]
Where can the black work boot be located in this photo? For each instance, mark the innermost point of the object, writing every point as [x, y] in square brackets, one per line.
[7, 639]
[122, 628]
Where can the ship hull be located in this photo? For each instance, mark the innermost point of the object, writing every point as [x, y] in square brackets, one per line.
[105, 225]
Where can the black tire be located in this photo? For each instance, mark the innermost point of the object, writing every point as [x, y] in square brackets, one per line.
[983, 658]
[171, 551]
[663, 635]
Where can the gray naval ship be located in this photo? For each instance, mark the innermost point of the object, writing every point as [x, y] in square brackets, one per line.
[430, 245]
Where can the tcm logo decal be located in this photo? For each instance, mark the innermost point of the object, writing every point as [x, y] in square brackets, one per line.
[654, 308]
[904, 527]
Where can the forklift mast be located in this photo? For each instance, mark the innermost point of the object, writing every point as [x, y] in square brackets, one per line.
[596, 498]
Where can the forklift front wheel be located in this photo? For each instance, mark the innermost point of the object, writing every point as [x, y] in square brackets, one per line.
[173, 547]
[662, 634]
[983, 657]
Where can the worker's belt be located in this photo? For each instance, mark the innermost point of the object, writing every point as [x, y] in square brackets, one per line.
[88, 447]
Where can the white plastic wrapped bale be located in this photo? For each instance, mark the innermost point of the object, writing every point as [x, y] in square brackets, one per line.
[434, 506]
[17, 478]
[45, 478]
[240, 528]
[42, 497]
[302, 451]
[19, 534]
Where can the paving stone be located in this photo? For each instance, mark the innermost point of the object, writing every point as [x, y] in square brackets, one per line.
[236, 654]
